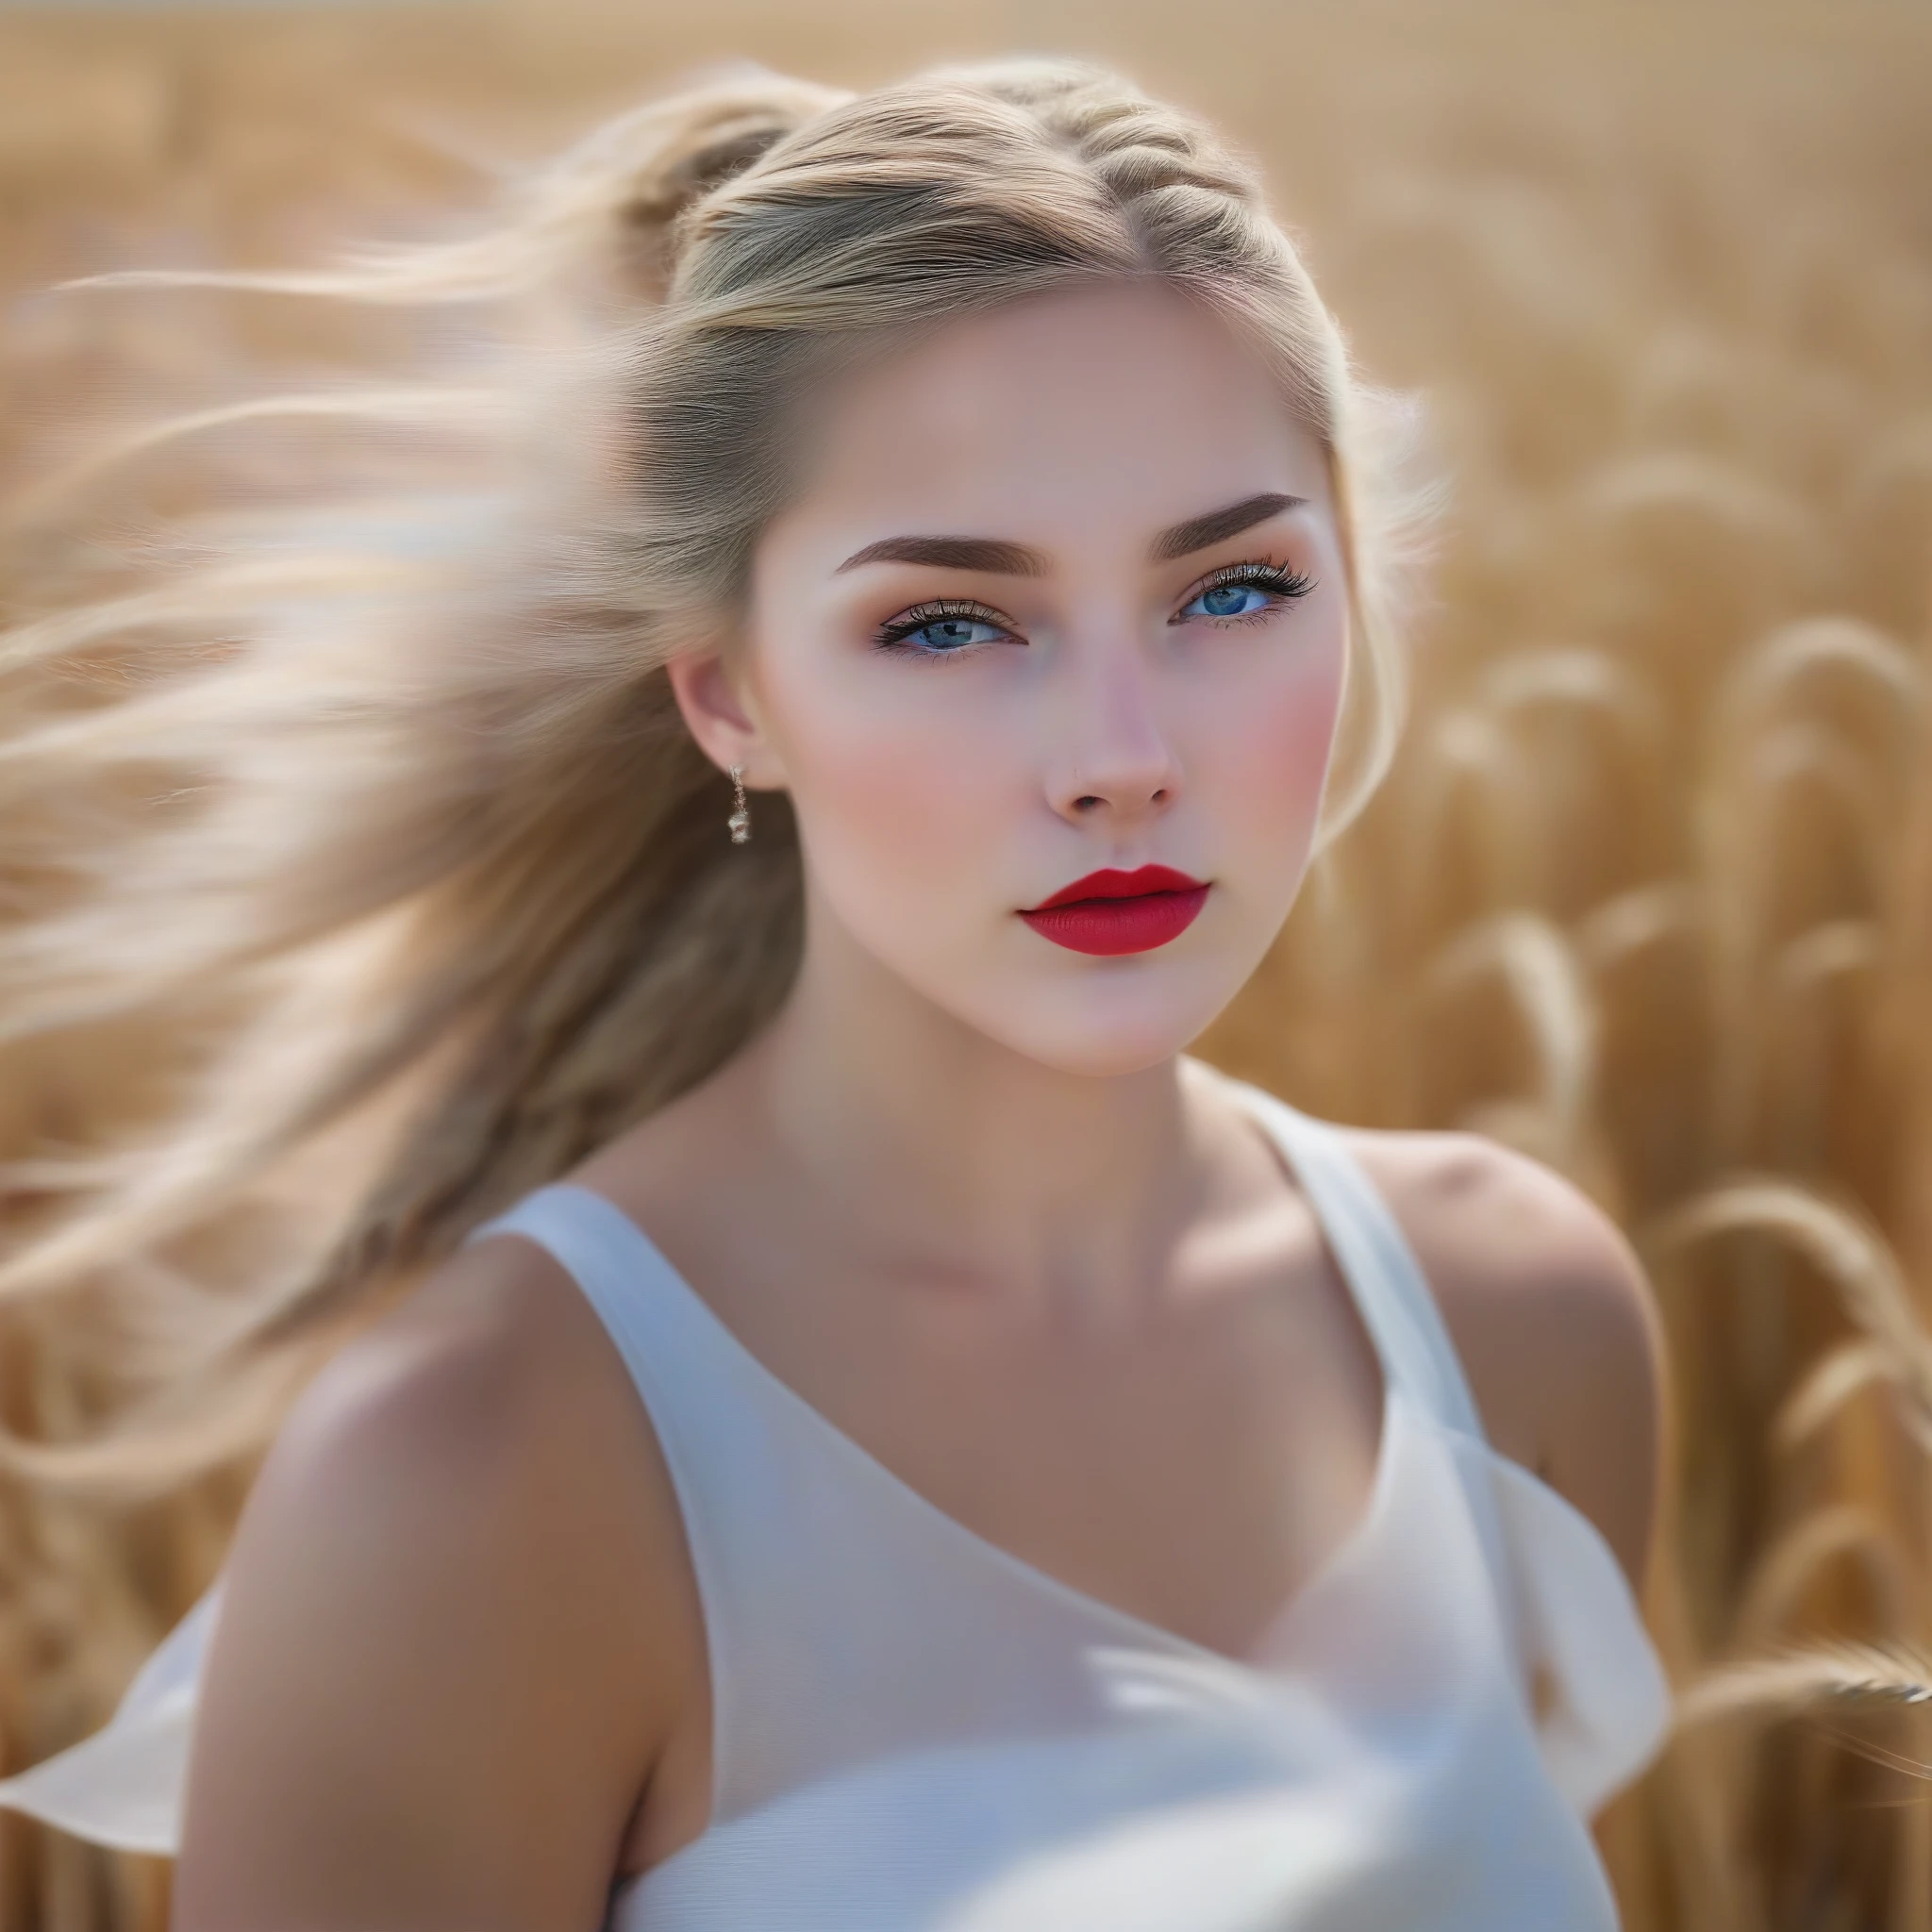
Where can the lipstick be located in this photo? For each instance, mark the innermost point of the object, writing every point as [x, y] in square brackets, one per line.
[1110, 913]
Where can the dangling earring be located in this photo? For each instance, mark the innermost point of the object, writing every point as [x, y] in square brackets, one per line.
[740, 820]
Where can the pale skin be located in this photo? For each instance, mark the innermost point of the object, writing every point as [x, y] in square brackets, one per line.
[967, 1194]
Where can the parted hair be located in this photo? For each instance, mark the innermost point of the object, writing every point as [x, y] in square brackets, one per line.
[374, 852]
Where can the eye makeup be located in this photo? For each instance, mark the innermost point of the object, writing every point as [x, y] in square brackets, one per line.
[892, 634]
[1279, 579]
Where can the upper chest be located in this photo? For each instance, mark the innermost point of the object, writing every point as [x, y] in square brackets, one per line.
[1187, 1452]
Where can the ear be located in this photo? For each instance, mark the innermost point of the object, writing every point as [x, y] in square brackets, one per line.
[720, 714]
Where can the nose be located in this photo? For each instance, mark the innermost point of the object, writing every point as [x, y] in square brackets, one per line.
[1114, 763]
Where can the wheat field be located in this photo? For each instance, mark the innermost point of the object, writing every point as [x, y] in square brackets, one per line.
[1648, 892]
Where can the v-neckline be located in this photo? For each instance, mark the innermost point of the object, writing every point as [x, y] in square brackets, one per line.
[1031, 1575]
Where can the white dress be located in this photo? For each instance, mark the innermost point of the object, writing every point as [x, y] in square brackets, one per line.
[916, 1731]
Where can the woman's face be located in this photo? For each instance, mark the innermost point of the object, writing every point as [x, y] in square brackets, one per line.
[1062, 595]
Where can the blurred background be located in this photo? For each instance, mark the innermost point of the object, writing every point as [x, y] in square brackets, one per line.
[1649, 891]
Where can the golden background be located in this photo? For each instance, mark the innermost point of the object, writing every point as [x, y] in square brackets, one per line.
[1649, 891]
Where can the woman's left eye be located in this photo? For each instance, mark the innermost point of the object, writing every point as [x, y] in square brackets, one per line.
[1245, 591]
[1230, 600]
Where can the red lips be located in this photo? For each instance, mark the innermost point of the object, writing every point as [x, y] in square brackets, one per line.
[1110, 913]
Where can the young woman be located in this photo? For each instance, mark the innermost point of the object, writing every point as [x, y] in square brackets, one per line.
[874, 1436]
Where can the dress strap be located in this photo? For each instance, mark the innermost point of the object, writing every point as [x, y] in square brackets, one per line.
[845, 1616]
[1395, 1297]
[1401, 1311]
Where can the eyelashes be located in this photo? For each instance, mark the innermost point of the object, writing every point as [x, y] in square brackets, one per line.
[1278, 579]
[947, 611]
[1280, 582]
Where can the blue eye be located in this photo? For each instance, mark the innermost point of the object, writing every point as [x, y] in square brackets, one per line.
[1245, 589]
[951, 634]
[1227, 600]
[942, 631]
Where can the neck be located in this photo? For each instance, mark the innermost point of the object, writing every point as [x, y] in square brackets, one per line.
[920, 1135]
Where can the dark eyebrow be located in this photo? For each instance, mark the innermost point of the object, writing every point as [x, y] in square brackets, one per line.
[987, 554]
[1218, 525]
[997, 558]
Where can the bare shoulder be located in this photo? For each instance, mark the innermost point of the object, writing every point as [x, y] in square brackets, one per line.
[1551, 1313]
[448, 1601]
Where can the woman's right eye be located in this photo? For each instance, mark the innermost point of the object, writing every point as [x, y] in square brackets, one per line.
[951, 633]
[942, 631]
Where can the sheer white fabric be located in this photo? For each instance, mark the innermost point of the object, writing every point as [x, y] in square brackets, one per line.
[916, 1731]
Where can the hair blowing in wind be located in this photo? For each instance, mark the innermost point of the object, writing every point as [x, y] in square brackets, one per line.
[358, 836]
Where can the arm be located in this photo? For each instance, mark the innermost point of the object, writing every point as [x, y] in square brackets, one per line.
[1551, 1313]
[436, 1689]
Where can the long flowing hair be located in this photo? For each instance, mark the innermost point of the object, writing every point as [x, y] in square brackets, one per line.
[358, 874]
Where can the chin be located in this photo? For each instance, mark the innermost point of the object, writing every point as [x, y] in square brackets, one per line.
[1100, 1036]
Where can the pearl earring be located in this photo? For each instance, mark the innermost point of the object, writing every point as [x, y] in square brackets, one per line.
[740, 820]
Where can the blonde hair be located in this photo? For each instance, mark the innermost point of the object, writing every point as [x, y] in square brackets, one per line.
[378, 834]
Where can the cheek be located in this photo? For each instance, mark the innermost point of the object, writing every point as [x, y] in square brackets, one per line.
[902, 779]
[1261, 759]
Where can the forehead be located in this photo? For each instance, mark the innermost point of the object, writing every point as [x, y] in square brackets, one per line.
[1066, 419]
